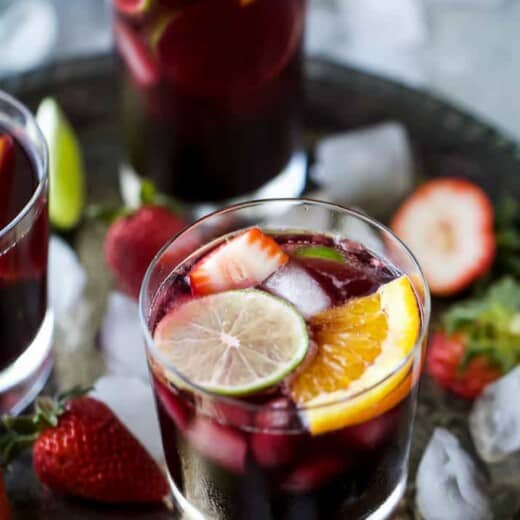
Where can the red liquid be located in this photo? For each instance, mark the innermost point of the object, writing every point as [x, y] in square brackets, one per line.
[261, 462]
[212, 93]
[23, 263]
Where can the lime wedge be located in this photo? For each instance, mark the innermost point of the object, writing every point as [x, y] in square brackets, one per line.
[327, 253]
[233, 342]
[66, 177]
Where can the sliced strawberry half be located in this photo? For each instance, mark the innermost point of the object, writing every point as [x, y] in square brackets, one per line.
[137, 56]
[448, 224]
[244, 261]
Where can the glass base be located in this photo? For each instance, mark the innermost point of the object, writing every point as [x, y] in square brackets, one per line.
[21, 382]
[290, 182]
[186, 511]
[388, 507]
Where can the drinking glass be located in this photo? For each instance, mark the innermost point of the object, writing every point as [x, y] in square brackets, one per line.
[212, 96]
[26, 322]
[211, 442]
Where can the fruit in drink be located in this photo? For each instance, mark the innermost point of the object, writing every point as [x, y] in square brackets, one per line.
[295, 356]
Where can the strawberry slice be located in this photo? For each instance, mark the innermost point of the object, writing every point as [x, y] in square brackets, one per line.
[173, 405]
[372, 434]
[272, 450]
[223, 446]
[137, 56]
[448, 224]
[244, 261]
[133, 7]
[6, 175]
[313, 473]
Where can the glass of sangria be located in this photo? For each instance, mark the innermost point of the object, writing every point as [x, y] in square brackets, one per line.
[285, 340]
[211, 96]
[26, 323]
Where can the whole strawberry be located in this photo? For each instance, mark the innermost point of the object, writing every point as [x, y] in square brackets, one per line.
[80, 448]
[132, 242]
[479, 340]
[445, 363]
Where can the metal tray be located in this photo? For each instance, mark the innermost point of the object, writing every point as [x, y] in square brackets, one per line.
[446, 141]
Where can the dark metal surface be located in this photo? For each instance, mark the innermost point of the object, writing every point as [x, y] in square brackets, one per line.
[446, 141]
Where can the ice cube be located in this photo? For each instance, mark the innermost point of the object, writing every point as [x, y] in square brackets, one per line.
[131, 399]
[357, 167]
[121, 338]
[495, 419]
[297, 286]
[395, 24]
[28, 30]
[64, 291]
[449, 485]
[323, 29]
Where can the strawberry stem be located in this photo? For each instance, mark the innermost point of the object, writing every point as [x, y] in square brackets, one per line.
[148, 196]
[20, 432]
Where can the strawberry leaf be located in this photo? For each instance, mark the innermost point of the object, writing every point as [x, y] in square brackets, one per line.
[148, 196]
[507, 229]
[20, 432]
[148, 192]
[489, 324]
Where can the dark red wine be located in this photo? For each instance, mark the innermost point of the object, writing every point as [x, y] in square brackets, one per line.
[255, 457]
[212, 93]
[23, 261]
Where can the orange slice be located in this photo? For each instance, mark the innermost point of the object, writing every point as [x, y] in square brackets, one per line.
[360, 370]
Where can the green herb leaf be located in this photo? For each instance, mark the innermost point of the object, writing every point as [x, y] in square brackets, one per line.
[490, 324]
[507, 229]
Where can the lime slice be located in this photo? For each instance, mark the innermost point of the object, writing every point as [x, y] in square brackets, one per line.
[233, 342]
[327, 253]
[66, 177]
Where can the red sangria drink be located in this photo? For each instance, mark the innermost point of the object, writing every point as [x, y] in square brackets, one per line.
[285, 361]
[211, 96]
[25, 323]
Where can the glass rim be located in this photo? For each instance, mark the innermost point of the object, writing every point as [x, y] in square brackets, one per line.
[43, 163]
[235, 401]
